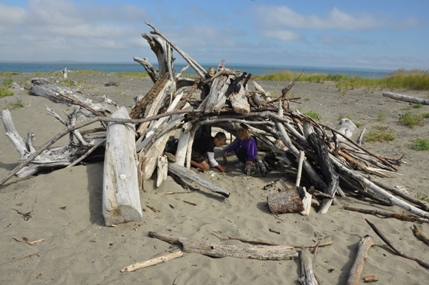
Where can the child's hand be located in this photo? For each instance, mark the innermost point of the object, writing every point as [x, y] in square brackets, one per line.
[225, 154]
[221, 168]
[248, 162]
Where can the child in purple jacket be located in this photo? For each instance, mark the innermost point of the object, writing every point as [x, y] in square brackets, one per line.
[244, 147]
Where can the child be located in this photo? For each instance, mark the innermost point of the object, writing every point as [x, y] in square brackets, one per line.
[203, 151]
[244, 147]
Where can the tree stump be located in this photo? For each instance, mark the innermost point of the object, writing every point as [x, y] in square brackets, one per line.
[287, 201]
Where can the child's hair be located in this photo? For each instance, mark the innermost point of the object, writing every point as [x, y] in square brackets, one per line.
[243, 133]
[220, 136]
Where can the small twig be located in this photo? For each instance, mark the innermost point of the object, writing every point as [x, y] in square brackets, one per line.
[190, 203]
[25, 216]
[273, 231]
[24, 240]
[396, 249]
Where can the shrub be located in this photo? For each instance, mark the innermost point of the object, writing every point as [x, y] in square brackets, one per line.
[15, 105]
[313, 115]
[377, 136]
[4, 92]
[420, 144]
[412, 119]
[7, 83]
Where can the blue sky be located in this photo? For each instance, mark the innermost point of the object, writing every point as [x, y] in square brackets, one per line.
[358, 34]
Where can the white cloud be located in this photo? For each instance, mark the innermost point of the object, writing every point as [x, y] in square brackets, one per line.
[282, 16]
[342, 40]
[11, 15]
[283, 35]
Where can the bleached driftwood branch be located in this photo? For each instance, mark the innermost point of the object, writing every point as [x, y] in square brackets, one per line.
[261, 252]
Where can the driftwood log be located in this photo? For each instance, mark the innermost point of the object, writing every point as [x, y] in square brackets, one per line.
[307, 274]
[365, 244]
[261, 252]
[406, 98]
[121, 197]
[189, 175]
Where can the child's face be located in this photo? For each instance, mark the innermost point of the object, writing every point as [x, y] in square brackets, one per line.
[242, 138]
[219, 142]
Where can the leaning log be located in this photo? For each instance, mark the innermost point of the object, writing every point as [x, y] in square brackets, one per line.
[121, 197]
[327, 169]
[406, 98]
[364, 245]
[187, 174]
[260, 252]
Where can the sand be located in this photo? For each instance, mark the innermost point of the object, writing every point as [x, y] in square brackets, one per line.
[65, 206]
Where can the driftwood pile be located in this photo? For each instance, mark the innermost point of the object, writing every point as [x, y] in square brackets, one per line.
[331, 163]
[137, 143]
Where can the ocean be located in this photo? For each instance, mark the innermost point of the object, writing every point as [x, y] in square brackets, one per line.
[136, 67]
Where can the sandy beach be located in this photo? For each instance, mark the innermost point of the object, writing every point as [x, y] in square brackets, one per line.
[65, 205]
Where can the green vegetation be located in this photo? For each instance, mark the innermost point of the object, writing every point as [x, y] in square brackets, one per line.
[417, 106]
[313, 115]
[412, 119]
[415, 79]
[8, 83]
[422, 197]
[15, 105]
[381, 117]
[420, 144]
[380, 134]
[4, 92]
[9, 73]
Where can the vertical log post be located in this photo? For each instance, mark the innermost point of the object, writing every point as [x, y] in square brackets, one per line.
[121, 197]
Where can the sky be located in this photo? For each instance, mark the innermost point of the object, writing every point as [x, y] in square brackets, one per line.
[356, 34]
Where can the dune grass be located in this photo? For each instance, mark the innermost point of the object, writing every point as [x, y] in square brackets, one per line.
[415, 79]
[419, 144]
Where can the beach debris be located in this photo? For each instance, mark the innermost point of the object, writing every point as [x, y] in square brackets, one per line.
[153, 261]
[370, 278]
[25, 216]
[111, 83]
[25, 240]
[365, 244]
[406, 98]
[395, 248]
[260, 252]
[64, 72]
[307, 274]
[419, 234]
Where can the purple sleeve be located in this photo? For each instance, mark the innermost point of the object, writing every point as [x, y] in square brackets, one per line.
[233, 146]
[252, 150]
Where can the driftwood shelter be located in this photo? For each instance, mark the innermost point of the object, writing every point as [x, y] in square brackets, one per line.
[137, 144]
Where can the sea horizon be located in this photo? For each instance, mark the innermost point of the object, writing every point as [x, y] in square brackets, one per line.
[255, 69]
